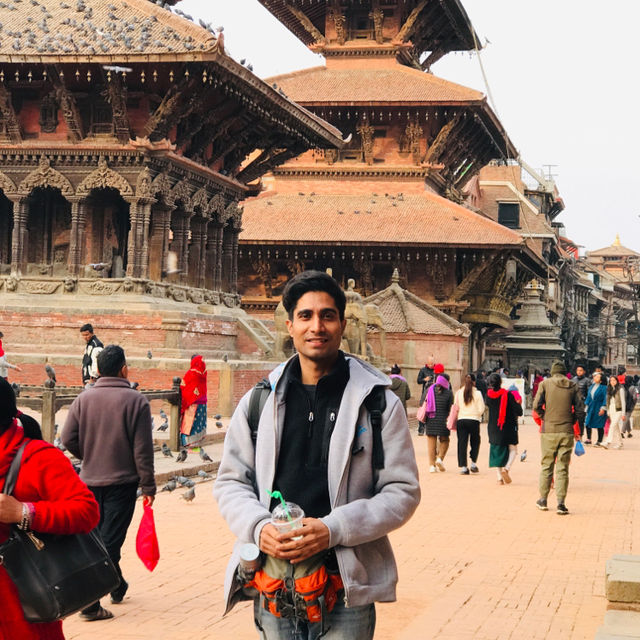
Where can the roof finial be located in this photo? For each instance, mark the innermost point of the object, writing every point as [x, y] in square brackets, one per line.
[395, 278]
[616, 242]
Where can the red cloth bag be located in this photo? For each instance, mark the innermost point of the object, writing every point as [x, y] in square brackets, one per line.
[147, 540]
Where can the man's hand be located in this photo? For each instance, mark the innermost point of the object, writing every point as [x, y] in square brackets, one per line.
[577, 437]
[313, 538]
[148, 500]
[601, 412]
[10, 509]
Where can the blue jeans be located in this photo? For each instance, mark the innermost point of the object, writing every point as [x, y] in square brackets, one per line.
[353, 623]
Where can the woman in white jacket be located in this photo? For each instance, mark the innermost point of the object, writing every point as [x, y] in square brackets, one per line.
[470, 411]
[616, 409]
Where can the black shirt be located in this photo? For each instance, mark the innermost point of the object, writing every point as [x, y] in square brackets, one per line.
[310, 415]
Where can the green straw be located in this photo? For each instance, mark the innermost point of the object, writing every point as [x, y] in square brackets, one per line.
[278, 495]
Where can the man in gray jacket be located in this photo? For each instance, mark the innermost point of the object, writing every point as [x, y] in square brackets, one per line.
[315, 445]
[109, 428]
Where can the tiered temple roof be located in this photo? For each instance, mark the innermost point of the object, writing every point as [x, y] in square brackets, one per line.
[370, 220]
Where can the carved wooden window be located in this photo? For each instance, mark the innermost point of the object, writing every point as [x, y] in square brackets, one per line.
[101, 117]
[48, 115]
[509, 214]
[361, 25]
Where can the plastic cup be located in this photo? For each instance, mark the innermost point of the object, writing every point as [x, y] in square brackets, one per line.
[284, 523]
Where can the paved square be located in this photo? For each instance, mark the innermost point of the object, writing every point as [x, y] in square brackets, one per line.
[477, 561]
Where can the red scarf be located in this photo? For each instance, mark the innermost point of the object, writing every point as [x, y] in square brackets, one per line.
[502, 394]
[194, 384]
[1, 349]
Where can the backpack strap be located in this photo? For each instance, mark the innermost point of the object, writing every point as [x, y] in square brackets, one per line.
[12, 474]
[376, 403]
[257, 400]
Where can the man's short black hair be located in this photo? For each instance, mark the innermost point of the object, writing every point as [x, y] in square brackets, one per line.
[86, 327]
[110, 360]
[312, 281]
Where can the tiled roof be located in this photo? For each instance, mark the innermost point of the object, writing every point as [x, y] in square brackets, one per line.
[614, 250]
[426, 219]
[403, 311]
[398, 84]
[59, 28]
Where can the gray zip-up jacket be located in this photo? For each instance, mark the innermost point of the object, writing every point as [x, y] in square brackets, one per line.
[366, 506]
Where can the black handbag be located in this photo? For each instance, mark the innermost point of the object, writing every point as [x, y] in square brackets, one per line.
[55, 575]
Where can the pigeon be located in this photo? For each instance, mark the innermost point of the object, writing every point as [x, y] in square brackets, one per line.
[163, 415]
[164, 426]
[149, 354]
[170, 486]
[139, 492]
[57, 443]
[205, 456]
[204, 475]
[219, 424]
[183, 480]
[182, 456]
[16, 388]
[523, 456]
[50, 372]
[134, 385]
[217, 416]
[166, 451]
[189, 495]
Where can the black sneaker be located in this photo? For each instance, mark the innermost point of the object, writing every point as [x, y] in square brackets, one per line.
[561, 510]
[464, 471]
[542, 504]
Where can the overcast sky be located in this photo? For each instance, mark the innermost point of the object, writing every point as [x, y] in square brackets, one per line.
[564, 77]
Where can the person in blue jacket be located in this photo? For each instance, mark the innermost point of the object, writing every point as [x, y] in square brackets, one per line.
[596, 405]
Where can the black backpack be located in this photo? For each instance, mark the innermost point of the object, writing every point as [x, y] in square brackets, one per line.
[630, 399]
[375, 402]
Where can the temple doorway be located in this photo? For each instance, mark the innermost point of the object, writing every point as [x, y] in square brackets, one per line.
[107, 234]
[48, 232]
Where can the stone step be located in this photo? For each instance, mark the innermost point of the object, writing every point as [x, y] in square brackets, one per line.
[623, 579]
[619, 625]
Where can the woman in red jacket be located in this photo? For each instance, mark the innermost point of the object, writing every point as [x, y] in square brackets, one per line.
[53, 497]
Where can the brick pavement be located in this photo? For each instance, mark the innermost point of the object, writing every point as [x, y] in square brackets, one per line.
[477, 561]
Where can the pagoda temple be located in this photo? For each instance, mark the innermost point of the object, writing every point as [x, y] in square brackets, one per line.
[128, 137]
[394, 196]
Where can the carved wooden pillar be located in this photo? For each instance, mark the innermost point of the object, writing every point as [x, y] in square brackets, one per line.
[211, 256]
[227, 260]
[234, 261]
[134, 218]
[202, 266]
[142, 250]
[166, 231]
[218, 272]
[20, 213]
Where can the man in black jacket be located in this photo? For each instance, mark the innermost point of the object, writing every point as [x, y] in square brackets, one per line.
[90, 356]
[426, 378]
[583, 383]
